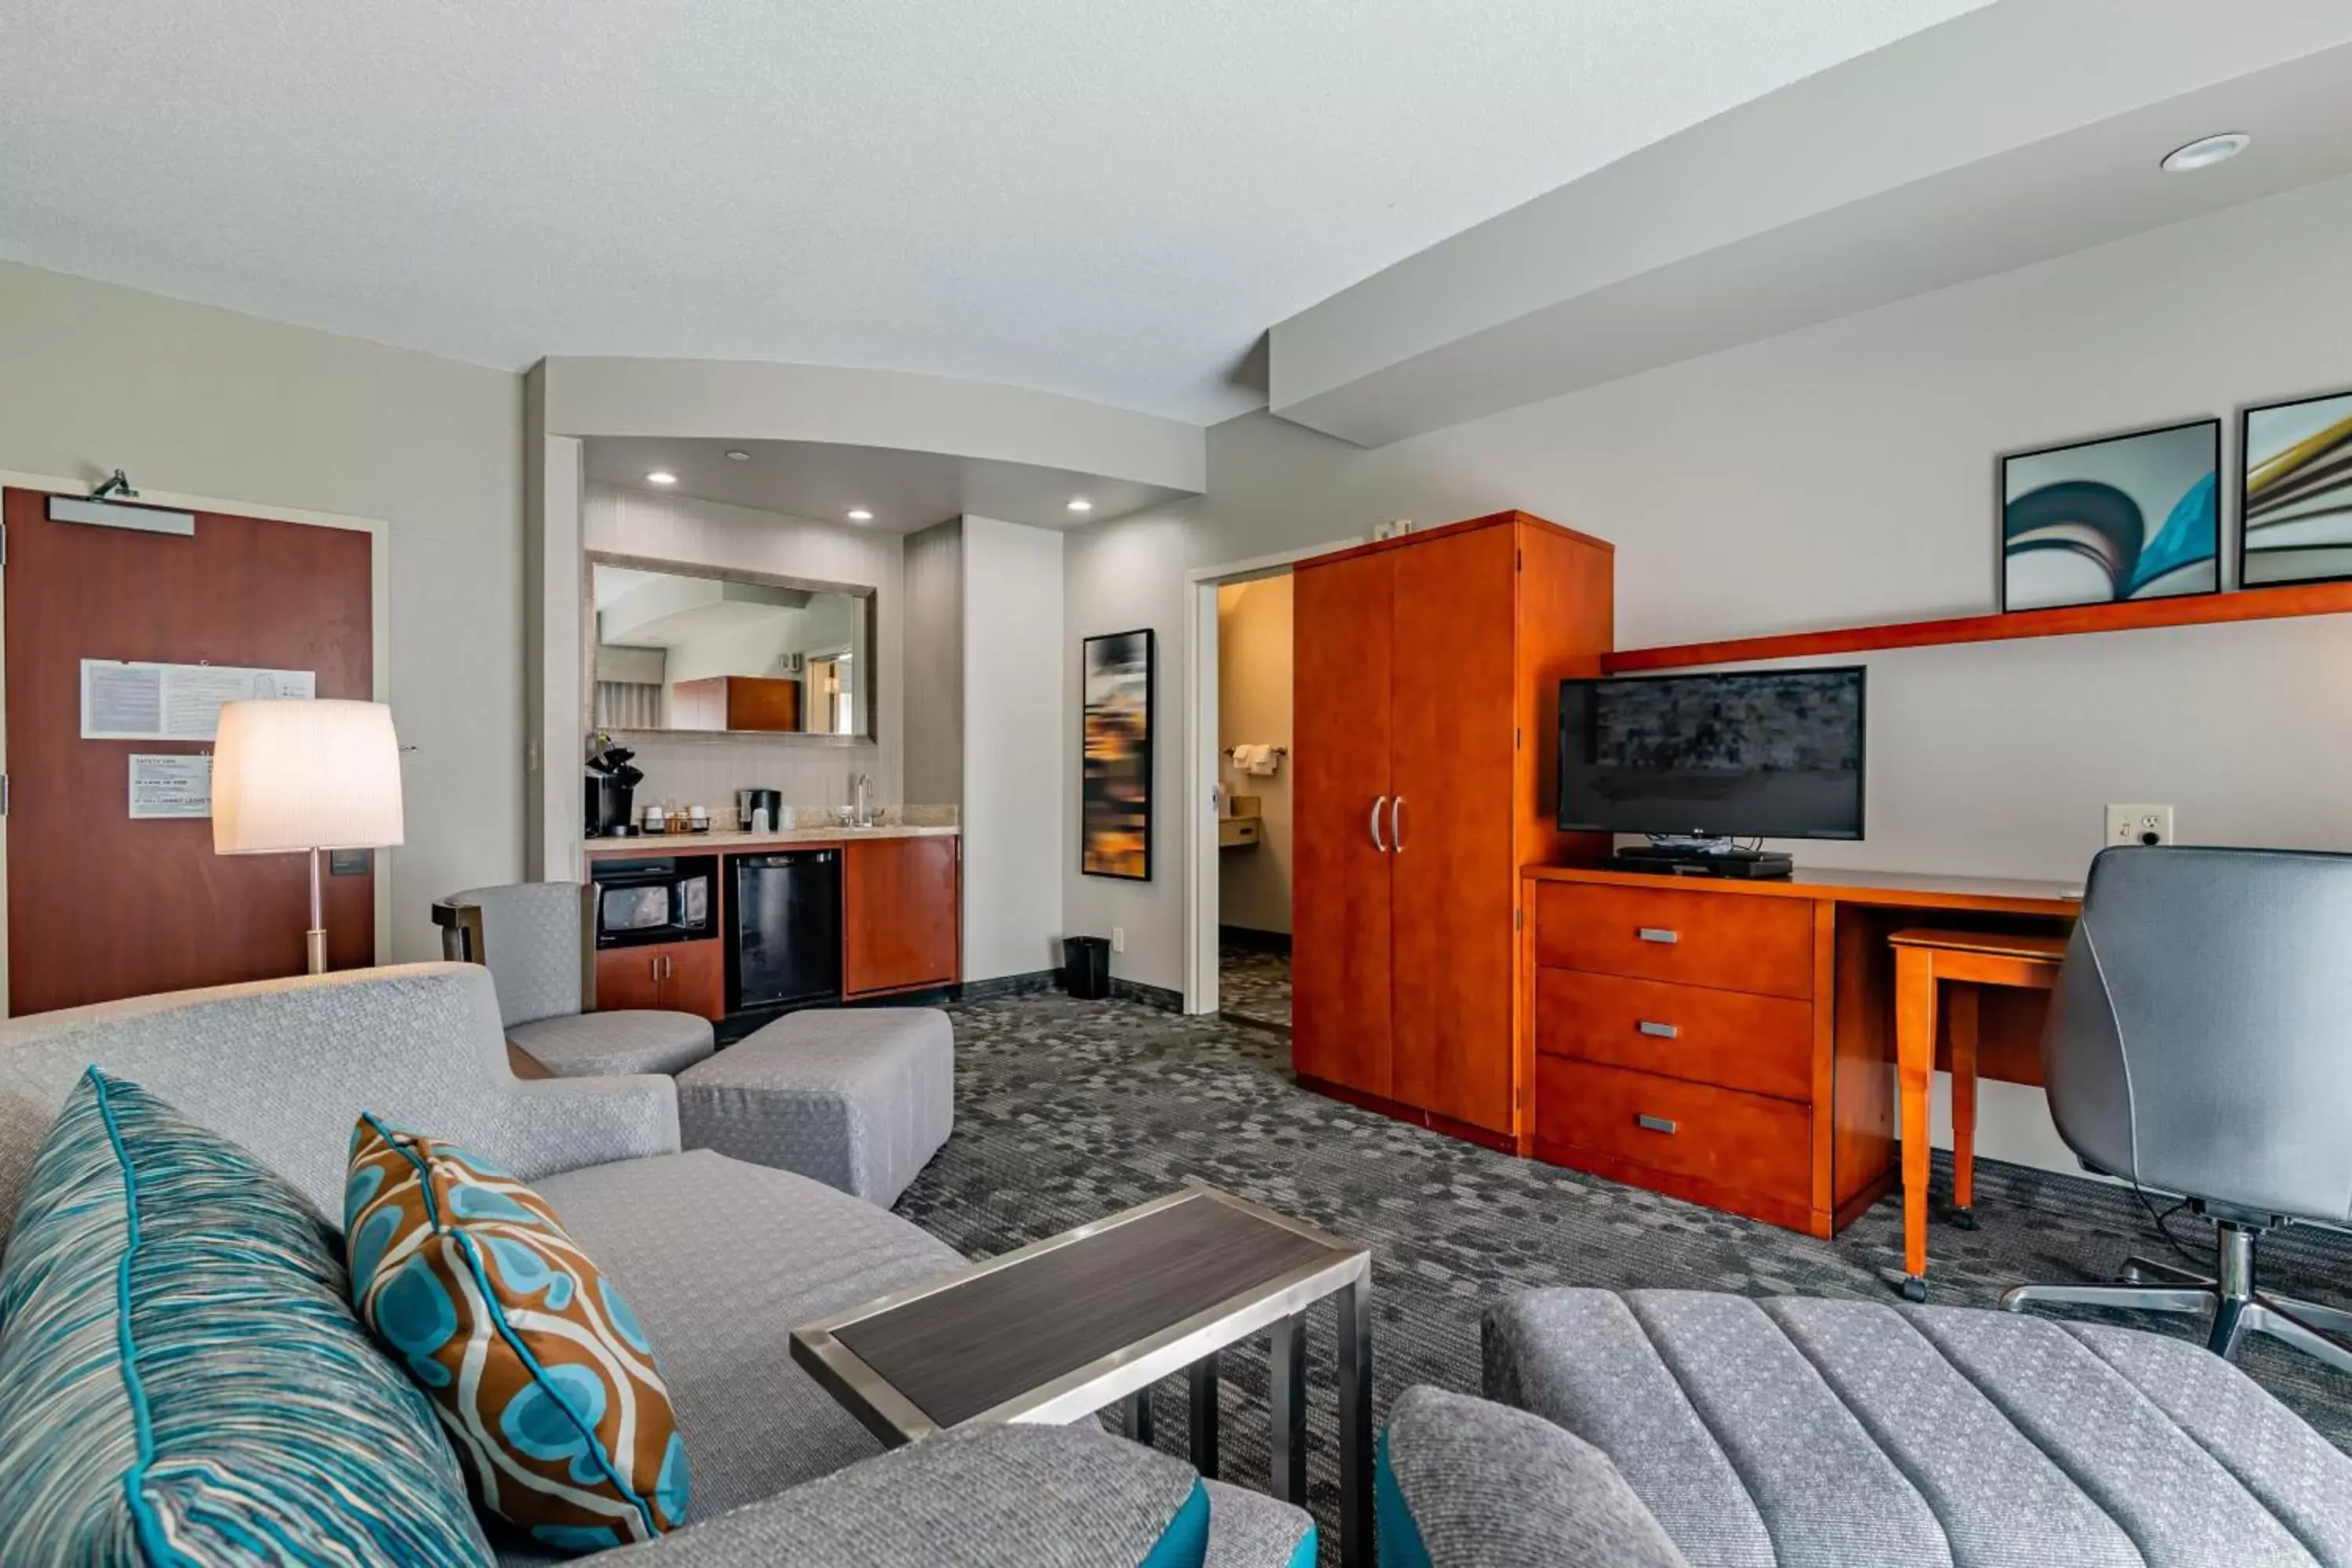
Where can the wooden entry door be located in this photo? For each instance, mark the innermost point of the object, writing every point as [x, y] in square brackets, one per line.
[1340, 903]
[100, 906]
[1453, 774]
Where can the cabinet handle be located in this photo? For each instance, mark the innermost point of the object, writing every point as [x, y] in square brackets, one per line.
[1653, 1123]
[1377, 844]
[1396, 822]
[1658, 933]
[1660, 1031]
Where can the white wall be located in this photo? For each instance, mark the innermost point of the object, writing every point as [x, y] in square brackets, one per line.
[207, 402]
[707, 770]
[1844, 474]
[1018, 748]
[934, 651]
[1254, 704]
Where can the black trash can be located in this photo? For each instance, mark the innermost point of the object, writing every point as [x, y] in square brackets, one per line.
[1086, 967]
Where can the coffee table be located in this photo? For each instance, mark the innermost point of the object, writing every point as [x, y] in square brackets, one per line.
[1062, 1328]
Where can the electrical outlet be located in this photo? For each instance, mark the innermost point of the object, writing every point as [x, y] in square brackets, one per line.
[2139, 824]
[1118, 933]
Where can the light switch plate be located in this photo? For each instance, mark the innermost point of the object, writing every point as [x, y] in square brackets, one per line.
[1118, 939]
[2139, 824]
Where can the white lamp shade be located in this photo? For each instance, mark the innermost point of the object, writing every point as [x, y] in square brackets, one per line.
[294, 774]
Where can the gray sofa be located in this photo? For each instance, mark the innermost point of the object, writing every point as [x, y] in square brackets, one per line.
[718, 1258]
[1659, 1428]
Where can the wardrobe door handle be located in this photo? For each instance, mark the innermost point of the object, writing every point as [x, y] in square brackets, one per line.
[1396, 822]
[1658, 933]
[1376, 842]
[1653, 1123]
[1659, 1031]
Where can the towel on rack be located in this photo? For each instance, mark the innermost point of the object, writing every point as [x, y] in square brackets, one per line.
[1258, 761]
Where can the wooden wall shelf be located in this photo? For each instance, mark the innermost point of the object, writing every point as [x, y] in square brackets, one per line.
[2200, 609]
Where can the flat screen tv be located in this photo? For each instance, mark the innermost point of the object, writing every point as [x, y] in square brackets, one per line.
[1770, 755]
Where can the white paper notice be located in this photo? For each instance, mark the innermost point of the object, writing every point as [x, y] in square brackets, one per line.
[179, 785]
[121, 700]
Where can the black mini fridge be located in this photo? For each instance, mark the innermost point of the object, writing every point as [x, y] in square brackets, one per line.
[784, 929]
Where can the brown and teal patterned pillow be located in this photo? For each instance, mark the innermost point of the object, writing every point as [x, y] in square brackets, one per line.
[536, 1365]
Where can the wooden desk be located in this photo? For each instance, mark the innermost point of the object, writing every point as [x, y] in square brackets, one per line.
[1971, 960]
[1734, 1043]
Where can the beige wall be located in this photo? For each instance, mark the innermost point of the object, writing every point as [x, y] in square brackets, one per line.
[707, 770]
[1254, 709]
[209, 403]
[1844, 474]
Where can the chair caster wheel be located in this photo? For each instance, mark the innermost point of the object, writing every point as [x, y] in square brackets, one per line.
[1914, 1288]
[1964, 1219]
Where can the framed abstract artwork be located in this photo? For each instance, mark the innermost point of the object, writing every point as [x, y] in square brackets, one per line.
[2295, 491]
[2104, 521]
[1115, 806]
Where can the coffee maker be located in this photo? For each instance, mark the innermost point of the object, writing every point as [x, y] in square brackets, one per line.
[759, 810]
[610, 786]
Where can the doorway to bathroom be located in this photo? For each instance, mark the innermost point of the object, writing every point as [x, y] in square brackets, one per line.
[1254, 820]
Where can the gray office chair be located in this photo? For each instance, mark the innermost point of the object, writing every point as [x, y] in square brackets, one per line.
[2200, 1043]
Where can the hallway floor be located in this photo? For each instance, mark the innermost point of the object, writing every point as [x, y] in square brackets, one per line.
[1254, 986]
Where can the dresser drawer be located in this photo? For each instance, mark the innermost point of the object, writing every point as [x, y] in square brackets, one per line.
[1735, 942]
[1742, 1142]
[1734, 1038]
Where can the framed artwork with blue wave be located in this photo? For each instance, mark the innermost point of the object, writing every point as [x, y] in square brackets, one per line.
[2294, 499]
[2106, 521]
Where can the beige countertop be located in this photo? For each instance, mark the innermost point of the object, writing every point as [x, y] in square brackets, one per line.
[721, 840]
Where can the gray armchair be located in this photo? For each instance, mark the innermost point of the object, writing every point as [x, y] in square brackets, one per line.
[534, 938]
[2200, 1043]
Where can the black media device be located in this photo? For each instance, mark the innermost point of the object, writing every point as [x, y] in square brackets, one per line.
[1696, 762]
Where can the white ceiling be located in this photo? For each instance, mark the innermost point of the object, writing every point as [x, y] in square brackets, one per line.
[1112, 200]
[824, 480]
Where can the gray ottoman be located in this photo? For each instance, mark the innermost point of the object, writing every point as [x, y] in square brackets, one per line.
[858, 1099]
[1836, 1432]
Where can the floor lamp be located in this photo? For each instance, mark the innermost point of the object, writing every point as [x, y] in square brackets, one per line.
[305, 775]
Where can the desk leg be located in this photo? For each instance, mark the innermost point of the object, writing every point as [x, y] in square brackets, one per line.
[1355, 1424]
[1289, 1403]
[1915, 1057]
[1963, 1010]
[1203, 1378]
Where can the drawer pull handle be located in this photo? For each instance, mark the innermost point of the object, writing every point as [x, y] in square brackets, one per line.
[1658, 933]
[1654, 1124]
[1661, 1031]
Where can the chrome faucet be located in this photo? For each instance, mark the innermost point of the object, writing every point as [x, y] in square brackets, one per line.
[861, 792]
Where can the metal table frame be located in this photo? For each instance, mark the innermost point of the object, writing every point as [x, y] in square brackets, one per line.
[1191, 1345]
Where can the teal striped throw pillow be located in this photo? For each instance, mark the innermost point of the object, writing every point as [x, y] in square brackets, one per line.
[182, 1383]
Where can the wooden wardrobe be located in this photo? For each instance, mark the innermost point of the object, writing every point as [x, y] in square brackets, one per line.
[1425, 682]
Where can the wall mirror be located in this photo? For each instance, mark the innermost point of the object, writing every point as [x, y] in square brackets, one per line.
[676, 649]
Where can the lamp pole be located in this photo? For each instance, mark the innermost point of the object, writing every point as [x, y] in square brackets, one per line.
[317, 937]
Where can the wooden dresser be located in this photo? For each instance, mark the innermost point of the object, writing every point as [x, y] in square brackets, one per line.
[1731, 1042]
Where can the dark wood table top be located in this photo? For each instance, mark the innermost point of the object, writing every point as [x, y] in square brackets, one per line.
[1068, 1324]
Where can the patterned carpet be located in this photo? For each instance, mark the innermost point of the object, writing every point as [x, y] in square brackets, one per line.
[1254, 986]
[1069, 1111]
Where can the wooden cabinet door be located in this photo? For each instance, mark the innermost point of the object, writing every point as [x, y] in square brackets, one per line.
[1452, 773]
[898, 916]
[1343, 618]
[628, 977]
[694, 979]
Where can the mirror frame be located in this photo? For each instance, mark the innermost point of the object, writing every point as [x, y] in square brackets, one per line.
[593, 559]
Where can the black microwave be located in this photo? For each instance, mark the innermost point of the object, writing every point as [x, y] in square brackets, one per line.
[644, 901]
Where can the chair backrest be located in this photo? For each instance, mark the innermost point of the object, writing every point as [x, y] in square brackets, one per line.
[2200, 1037]
[529, 934]
[283, 1066]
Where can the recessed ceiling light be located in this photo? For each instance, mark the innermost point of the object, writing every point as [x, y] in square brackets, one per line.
[1082, 504]
[859, 514]
[661, 476]
[2206, 151]
[737, 455]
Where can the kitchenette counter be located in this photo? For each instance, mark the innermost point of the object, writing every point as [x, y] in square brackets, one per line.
[720, 841]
